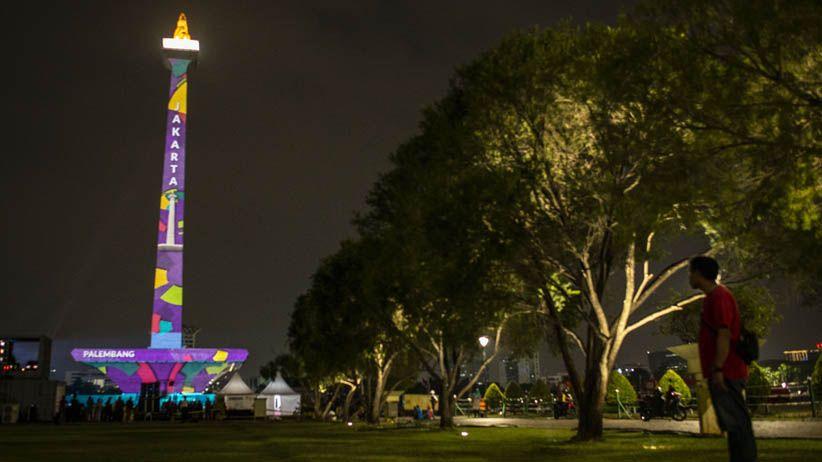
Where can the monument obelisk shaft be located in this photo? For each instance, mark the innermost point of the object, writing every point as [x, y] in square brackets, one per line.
[165, 367]
[167, 316]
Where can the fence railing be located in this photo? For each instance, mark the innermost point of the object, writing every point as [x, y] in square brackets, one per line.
[790, 400]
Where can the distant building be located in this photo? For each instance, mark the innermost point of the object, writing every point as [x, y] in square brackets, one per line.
[6, 354]
[802, 361]
[25, 356]
[661, 361]
[528, 369]
[190, 336]
[801, 356]
[520, 370]
[24, 379]
[639, 376]
[510, 366]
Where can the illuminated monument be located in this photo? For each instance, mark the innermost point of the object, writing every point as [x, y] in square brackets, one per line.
[166, 362]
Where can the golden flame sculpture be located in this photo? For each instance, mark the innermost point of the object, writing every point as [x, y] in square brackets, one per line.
[181, 32]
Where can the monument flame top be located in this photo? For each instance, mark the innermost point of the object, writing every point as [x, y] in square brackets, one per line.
[182, 39]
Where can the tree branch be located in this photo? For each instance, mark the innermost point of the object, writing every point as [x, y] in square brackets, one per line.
[658, 314]
[663, 276]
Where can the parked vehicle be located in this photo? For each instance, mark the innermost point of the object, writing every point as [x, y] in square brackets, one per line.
[565, 409]
[656, 406]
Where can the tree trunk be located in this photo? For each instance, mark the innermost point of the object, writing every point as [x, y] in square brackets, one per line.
[592, 402]
[318, 405]
[330, 403]
[347, 406]
[446, 408]
[376, 403]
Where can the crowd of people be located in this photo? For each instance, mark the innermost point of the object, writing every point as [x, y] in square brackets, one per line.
[115, 409]
[418, 414]
[95, 410]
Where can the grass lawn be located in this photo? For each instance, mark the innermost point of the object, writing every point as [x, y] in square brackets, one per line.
[234, 441]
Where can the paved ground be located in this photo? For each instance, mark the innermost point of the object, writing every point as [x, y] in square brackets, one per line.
[762, 428]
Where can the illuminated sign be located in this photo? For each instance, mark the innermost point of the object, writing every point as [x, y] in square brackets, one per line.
[99, 354]
[182, 355]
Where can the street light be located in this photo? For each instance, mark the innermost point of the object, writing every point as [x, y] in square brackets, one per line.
[483, 341]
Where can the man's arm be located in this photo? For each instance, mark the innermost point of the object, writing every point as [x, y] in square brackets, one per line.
[723, 348]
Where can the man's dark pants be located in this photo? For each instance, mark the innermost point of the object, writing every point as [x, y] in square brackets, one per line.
[734, 418]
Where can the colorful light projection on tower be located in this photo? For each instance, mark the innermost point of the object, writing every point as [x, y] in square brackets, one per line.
[177, 369]
[167, 318]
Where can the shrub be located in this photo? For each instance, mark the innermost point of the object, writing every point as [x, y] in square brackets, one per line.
[627, 394]
[513, 391]
[493, 396]
[760, 380]
[672, 378]
[540, 390]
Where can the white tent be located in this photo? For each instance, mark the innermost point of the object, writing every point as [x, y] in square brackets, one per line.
[280, 399]
[237, 395]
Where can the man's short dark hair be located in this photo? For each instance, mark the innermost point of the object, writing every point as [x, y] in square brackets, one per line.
[706, 266]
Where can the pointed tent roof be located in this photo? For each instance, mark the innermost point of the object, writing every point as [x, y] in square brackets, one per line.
[236, 386]
[278, 386]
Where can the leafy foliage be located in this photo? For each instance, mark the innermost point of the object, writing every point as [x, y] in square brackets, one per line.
[627, 394]
[671, 378]
[760, 381]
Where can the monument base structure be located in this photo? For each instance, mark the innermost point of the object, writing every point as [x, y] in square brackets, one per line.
[176, 370]
[166, 367]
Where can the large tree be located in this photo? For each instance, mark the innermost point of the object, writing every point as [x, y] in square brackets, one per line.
[343, 331]
[598, 159]
[590, 172]
[436, 262]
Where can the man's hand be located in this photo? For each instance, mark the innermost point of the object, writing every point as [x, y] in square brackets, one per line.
[718, 381]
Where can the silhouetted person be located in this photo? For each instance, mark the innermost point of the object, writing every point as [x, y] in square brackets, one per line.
[184, 409]
[726, 371]
[129, 410]
[118, 409]
[107, 411]
[61, 411]
[98, 410]
[207, 410]
[89, 409]
[74, 410]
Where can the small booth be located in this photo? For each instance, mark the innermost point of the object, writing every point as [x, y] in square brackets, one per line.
[237, 395]
[280, 399]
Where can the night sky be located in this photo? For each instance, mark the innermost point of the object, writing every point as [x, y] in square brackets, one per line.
[293, 110]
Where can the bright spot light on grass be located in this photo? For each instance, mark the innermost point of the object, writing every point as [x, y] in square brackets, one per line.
[350, 424]
[651, 447]
[463, 434]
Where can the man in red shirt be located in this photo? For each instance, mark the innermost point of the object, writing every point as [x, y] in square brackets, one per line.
[726, 371]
